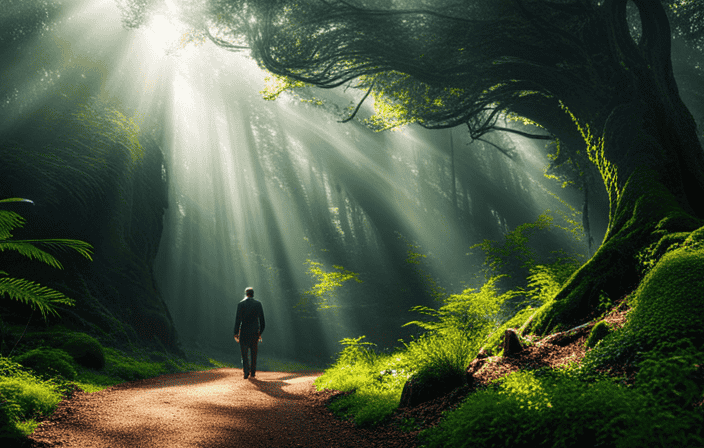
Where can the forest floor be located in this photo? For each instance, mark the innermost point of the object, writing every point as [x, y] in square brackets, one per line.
[218, 408]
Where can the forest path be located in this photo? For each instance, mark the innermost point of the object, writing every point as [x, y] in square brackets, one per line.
[214, 408]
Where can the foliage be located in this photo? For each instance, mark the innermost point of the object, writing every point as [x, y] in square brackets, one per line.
[449, 342]
[516, 257]
[323, 292]
[442, 355]
[375, 381]
[418, 261]
[667, 304]
[24, 397]
[469, 312]
[547, 408]
[546, 280]
[38, 297]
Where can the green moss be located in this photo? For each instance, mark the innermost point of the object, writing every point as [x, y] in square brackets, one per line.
[645, 213]
[546, 409]
[48, 362]
[85, 350]
[668, 303]
[599, 332]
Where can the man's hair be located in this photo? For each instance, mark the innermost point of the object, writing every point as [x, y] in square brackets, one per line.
[249, 291]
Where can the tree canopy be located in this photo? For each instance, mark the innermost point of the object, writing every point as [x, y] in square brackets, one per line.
[597, 76]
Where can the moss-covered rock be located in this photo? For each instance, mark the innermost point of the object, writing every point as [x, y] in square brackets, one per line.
[599, 332]
[85, 349]
[48, 362]
[668, 305]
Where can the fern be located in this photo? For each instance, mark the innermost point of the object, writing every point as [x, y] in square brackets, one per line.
[28, 249]
[35, 295]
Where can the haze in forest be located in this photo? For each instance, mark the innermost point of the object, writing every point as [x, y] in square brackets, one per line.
[267, 193]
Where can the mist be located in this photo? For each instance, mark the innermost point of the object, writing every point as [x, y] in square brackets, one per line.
[260, 192]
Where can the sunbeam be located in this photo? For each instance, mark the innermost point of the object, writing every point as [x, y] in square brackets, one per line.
[258, 189]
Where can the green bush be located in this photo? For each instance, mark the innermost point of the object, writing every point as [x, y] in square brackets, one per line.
[85, 349]
[599, 332]
[34, 397]
[48, 362]
[554, 409]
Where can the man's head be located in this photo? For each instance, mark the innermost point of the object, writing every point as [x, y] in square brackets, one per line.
[249, 292]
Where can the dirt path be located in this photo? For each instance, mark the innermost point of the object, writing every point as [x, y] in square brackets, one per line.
[215, 408]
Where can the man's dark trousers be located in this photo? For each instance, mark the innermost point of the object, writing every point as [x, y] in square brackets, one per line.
[249, 369]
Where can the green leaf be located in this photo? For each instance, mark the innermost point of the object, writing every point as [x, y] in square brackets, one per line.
[8, 221]
[30, 251]
[35, 295]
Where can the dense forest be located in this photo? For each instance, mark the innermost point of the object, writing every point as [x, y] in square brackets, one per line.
[425, 182]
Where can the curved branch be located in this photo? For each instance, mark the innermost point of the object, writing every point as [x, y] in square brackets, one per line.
[503, 151]
[358, 105]
[524, 134]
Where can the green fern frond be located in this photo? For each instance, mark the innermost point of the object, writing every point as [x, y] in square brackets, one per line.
[30, 251]
[83, 248]
[35, 295]
[8, 221]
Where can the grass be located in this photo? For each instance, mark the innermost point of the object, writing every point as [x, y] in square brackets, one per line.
[375, 381]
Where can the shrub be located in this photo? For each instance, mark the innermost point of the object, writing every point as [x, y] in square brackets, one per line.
[48, 362]
[85, 349]
[32, 396]
[599, 332]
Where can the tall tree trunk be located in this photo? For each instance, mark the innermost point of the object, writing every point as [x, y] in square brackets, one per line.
[651, 162]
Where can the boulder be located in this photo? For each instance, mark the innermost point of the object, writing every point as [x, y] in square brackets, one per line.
[421, 388]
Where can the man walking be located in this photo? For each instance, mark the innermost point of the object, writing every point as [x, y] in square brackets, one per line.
[249, 326]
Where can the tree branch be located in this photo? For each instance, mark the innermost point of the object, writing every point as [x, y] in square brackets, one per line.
[358, 105]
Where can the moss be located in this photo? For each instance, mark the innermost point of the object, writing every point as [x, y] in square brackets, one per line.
[667, 307]
[85, 350]
[599, 332]
[668, 303]
[48, 362]
[645, 213]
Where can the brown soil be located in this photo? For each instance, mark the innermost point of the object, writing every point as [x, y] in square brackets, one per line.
[215, 408]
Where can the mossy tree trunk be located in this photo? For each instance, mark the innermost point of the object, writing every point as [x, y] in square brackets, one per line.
[652, 164]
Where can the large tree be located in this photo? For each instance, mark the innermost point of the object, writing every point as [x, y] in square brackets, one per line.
[587, 72]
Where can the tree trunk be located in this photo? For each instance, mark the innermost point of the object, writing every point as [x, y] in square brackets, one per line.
[652, 165]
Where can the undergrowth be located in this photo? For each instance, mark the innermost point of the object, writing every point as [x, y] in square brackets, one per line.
[557, 408]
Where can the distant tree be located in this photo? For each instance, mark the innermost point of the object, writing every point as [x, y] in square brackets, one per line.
[595, 75]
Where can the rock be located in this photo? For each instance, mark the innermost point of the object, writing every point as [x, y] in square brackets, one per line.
[421, 388]
[512, 345]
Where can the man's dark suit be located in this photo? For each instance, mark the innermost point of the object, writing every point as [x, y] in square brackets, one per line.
[249, 325]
